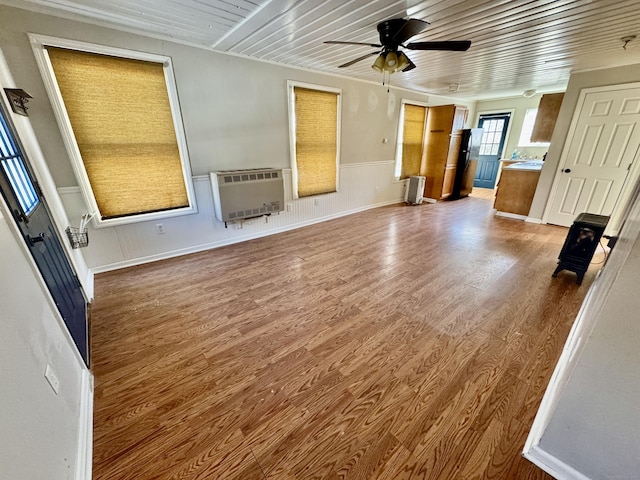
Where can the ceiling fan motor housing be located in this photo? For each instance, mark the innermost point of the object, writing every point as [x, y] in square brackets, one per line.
[388, 30]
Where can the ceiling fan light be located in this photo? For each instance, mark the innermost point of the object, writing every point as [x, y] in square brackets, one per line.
[378, 65]
[391, 62]
[403, 62]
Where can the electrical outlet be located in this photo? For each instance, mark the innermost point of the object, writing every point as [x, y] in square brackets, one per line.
[289, 207]
[159, 228]
[52, 379]
[316, 201]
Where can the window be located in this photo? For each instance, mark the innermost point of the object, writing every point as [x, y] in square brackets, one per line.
[15, 170]
[410, 143]
[493, 134]
[527, 130]
[314, 122]
[120, 119]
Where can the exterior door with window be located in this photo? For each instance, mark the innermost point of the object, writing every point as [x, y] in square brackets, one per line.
[603, 142]
[494, 128]
[31, 214]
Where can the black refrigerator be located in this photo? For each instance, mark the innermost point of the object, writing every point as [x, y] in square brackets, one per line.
[467, 162]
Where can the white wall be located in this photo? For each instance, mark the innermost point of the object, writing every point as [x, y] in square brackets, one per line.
[40, 432]
[235, 116]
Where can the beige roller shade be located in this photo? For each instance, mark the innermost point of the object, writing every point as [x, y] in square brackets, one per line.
[316, 114]
[121, 118]
[412, 139]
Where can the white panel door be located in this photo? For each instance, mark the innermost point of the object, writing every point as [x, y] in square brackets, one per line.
[602, 145]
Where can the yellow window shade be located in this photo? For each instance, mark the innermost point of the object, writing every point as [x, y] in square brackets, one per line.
[316, 114]
[412, 139]
[121, 118]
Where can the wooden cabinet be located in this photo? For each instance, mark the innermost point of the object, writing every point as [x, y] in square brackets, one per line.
[548, 110]
[516, 190]
[441, 147]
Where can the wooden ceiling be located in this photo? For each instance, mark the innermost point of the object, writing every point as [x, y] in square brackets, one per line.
[517, 45]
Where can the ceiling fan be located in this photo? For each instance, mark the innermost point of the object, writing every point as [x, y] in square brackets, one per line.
[393, 35]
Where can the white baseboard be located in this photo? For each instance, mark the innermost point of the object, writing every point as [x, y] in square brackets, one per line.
[511, 215]
[552, 465]
[244, 238]
[85, 432]
[533, 220]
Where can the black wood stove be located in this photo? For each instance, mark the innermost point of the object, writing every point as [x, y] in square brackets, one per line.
[581, 243]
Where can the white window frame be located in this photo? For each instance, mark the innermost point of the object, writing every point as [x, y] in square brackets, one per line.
[292, 131]
[39, 44]
[397, 169]
[527, 129]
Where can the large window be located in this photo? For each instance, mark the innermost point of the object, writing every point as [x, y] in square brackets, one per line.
[527, 130]
[120, 119]
[314, 118]
[410, 144]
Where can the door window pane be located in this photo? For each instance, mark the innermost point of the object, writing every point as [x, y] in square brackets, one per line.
[492, 133]
[15, 171]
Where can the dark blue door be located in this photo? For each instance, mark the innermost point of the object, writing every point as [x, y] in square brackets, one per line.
[31, 214]
[494, 128]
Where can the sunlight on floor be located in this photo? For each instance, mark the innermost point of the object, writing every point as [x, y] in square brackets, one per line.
[483, 192]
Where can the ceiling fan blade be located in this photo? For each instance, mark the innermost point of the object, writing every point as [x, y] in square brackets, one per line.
[452, 45]
[359, 59]
[411, 66]
[411, 27]
[335, 42]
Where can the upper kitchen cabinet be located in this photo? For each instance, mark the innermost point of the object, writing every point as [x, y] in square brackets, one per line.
[443, 134]
[546, 118]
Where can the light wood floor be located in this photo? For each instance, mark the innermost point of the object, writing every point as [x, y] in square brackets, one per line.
[402, 342]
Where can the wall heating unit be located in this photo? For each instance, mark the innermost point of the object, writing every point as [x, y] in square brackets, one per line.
[244, 194]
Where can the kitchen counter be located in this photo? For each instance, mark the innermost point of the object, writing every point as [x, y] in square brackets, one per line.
[525, 166]
[517, 185]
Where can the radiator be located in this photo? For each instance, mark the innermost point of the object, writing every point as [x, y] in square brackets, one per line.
[242, 194]
[415, 190]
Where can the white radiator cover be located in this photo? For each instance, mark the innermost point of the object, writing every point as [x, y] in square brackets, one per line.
[242, 194]
[415, 189]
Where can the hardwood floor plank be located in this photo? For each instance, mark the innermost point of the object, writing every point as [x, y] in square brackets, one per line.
[484, 445]
[398, 343]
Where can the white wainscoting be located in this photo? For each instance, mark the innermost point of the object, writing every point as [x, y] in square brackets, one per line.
[362, 186]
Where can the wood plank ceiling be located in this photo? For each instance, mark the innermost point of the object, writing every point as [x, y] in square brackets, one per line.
[517, 44]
